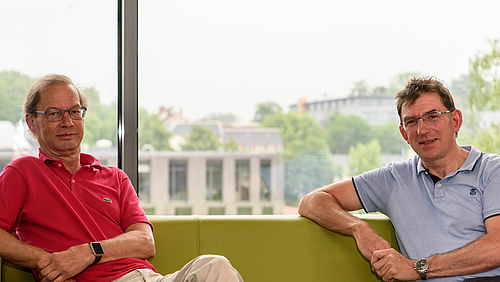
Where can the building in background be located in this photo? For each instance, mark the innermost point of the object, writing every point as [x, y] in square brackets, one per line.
[207, 183]
[374, 110]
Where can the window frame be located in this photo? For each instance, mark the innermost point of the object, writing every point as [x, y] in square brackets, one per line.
[127, 100]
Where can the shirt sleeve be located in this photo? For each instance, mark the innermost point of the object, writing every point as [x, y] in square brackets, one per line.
[374, 187]
[13, 194]
[130, 210]
[491, 193]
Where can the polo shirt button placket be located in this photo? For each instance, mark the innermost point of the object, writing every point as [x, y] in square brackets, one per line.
[440, 193]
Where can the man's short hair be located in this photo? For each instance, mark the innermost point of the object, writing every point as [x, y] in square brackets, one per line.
[418, 86]
[33, 97]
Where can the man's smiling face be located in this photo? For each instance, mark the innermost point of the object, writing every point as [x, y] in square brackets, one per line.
[431, 141]
[58, 139]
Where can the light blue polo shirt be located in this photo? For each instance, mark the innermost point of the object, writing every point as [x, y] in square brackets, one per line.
[432, 218]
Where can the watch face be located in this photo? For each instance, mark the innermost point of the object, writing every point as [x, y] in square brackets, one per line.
[421, 264]
[97, 248]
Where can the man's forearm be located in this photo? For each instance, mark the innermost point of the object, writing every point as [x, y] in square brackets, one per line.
[324, 209]
[478, 256]
[136, 242]
[19, 253]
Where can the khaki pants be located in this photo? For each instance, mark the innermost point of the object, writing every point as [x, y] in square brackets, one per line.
[206, 268]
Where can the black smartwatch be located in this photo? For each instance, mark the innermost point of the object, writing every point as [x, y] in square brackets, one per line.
[421, 266]
[97, 250]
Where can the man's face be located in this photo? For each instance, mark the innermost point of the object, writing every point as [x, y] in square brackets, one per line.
[431, 141]
[57, 139]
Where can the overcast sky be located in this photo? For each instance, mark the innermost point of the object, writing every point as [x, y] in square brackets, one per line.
[227, 56]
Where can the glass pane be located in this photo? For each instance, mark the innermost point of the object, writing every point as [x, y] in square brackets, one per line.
[214, 180]
[242, 180]
[300, 84]
[178, 180]
[59, 36]
[265, 180]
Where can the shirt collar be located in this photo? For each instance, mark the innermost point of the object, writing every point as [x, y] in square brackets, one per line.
[469, 163]
[85, 160]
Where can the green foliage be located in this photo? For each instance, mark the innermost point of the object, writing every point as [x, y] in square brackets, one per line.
[201, 138]
[360, 88]
[100, 121]
[484, 73]
[13, 89]
[484, 94]
[390, 139]
[229, 117]
[399, 81]
[485, 139]
[343, 131]
[308, 163]
[299, 134]
[265, 109]
[153, 132]
[364, 157]
[231, 145]
[307, 172]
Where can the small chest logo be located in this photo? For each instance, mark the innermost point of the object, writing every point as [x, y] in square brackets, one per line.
[107, 200]
[473, 192]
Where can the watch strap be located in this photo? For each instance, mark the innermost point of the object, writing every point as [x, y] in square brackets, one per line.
[423, 274]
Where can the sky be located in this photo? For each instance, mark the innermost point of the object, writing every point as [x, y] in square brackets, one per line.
[226, 56]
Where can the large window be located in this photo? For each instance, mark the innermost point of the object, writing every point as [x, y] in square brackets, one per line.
[74, 38]
[283, 91]
[231, 80]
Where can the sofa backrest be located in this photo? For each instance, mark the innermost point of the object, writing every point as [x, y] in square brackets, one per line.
[262, 248]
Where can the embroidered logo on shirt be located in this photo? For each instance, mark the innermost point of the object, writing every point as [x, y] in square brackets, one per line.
[473, 192]
[106, 200]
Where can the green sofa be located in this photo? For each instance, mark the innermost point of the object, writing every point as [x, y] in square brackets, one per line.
[262, 248]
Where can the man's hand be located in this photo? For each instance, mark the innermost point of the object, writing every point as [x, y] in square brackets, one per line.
[390, 265]
[62, 266]
[369, 241]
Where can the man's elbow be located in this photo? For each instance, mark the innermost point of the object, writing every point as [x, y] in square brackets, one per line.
[304, 205]
[151, 250]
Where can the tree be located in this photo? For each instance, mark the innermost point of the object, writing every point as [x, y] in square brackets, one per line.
[363, 157]
[229, 117]
[381, 91]
[484, 73]
[308, 164]
[231, 145]
[307, 172]
[153, 132]
[399, 81]
[343, 131]
[390, 139]
[484, 94]
[100, 121]
[201, 138]
[299, 134]
[13, 89]
[265, 109]
[360, 88]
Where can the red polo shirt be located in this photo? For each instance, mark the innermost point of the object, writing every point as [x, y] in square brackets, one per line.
[52, 209]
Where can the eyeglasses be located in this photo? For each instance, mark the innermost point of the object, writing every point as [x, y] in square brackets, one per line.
[428, 118]
[57, 115]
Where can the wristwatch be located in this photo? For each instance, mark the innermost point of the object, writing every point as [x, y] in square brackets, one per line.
[97, 251]
[421, 266]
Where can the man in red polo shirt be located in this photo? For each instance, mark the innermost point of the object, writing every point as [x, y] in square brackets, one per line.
[77, 220]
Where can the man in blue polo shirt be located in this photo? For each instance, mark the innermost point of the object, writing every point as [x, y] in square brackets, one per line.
[443, 203]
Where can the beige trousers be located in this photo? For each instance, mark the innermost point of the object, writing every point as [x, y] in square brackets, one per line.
[205, 268]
